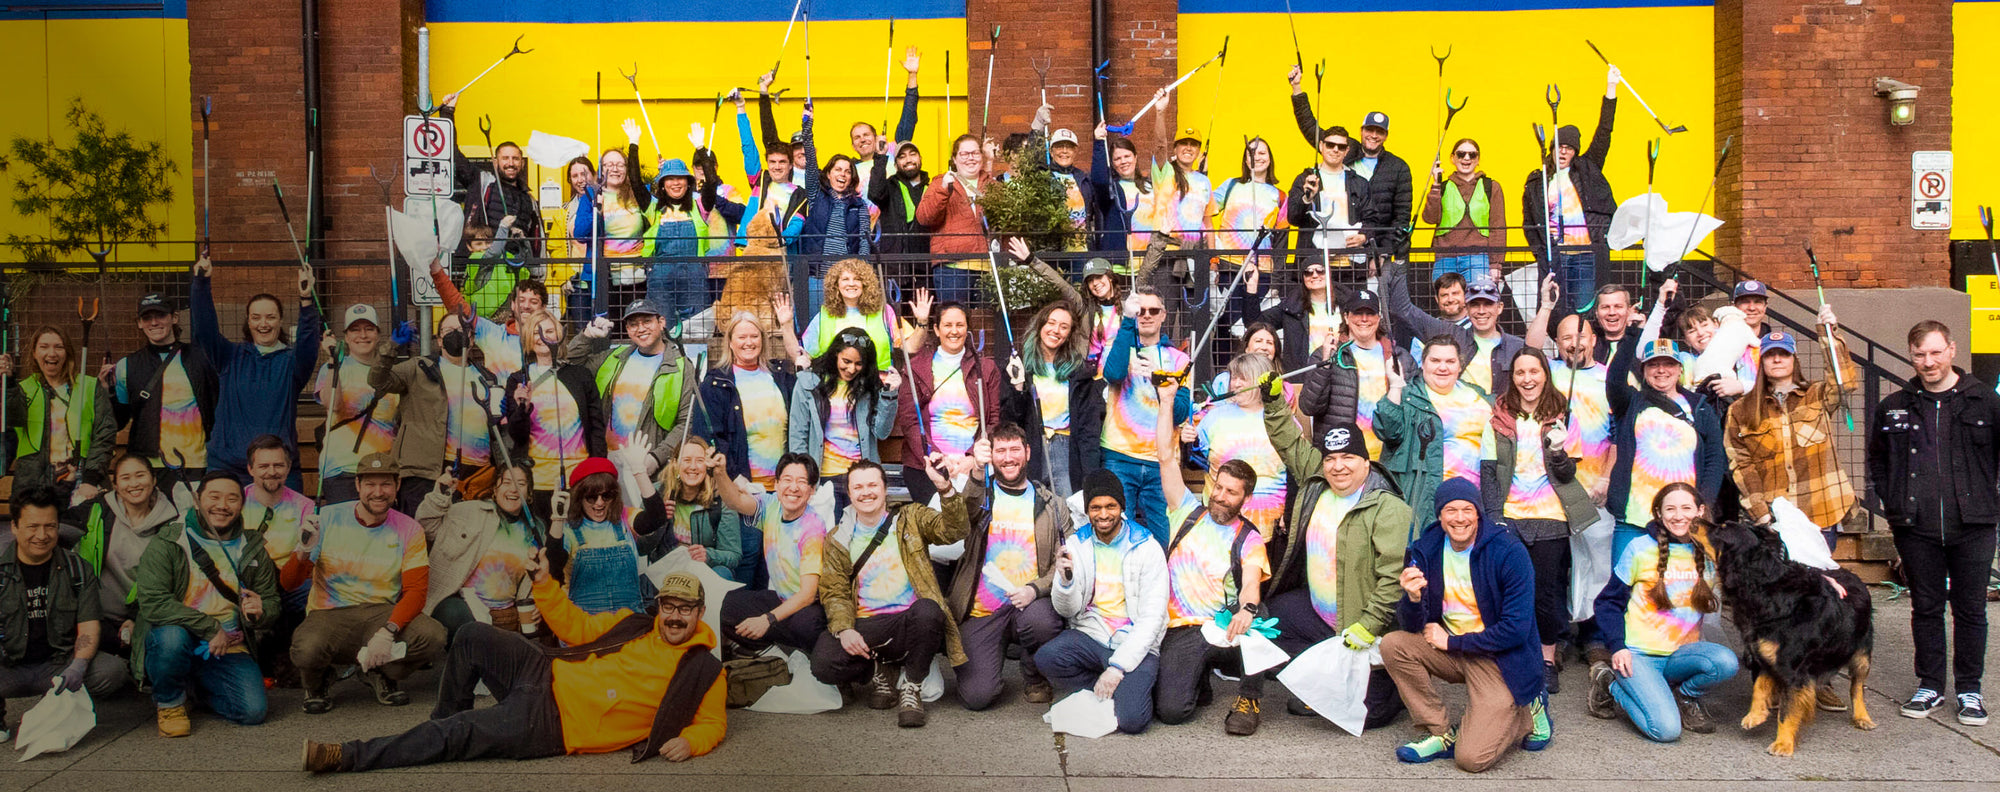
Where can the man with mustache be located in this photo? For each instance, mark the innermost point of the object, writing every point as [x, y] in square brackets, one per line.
[49, 624]
[626, 679]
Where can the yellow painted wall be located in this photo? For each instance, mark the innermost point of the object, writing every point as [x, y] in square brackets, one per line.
[133, 73]
[1382, 61]
[1975, 117]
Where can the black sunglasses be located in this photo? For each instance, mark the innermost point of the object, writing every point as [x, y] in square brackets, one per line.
[1466, 155]
[1332, 145]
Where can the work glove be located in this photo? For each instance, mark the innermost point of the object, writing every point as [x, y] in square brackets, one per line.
[1016, 372]
[1271, 386]
[1357, 637]
[72, 675]
[1130, 308]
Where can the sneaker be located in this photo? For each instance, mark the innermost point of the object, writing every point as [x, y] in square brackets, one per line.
[1243, 719]
[387, 693]
[910, 705]
[1829, 701]
[1971, 709]
[1921, 704]
[1545, 727]
[1038, 691]
[316, 702]
[1600, 701]
[1428, 748]
[321, 757]
[882, 688]
[173, 721]
[1694, 717]
[1552, 677]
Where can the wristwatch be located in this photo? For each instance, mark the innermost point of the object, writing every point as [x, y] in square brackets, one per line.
[393, 631]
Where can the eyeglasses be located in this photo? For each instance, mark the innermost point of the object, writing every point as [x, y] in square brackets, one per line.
[1466, 155]
[1151, 311]
[1328, 144]
[677, 610]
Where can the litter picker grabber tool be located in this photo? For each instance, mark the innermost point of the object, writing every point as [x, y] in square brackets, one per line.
[1554, 96]
[888, 75]
[1297, 59]
[1449, 111]
[1208, 140]
[1126, 128]
[516, 50]
[1319, 90]
[714, 117]
[207, 105]
[1099, 72]
[598, 141]
[992, 47]
[1652, 162]
[1671, 130]
[88, 318]
[1719, 160]
[389, 217]
[1281, 378]
[493, 161]
[807, 16]
[632, 78]
[1985, 221]
[1826, 338]
[797, 5]
[296, 248]
[1548, 223]
[947, 92]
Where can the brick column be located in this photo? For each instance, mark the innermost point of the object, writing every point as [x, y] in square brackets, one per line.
[1141, 41]
[1815, 157]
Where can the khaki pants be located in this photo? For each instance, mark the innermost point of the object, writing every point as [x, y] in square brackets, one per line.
[1492, 722]
[333, 637]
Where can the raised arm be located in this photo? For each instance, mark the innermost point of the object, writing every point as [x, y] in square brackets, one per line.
[1167, 447]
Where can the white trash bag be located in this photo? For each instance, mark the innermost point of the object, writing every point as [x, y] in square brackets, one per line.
[1083, 714]
[1333, 680]
[57, 723]
[804, 695]
[1803, 541]
[1590, 564]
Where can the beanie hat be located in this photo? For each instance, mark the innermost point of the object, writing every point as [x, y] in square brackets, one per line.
[589, 467]
[1570, 136]
[1101, 483]
[1344, 438]
[1458, 489]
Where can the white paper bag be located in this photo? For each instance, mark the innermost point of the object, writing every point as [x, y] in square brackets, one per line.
[57, 723]
[804, 695]
[1803, 541]
[1083, 714]
[1590, 564]
[1333, 680]
[713, 586]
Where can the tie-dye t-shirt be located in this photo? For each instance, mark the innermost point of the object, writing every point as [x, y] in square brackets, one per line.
[1053, 395]
[466, 420]
[1239, 208]
[882, 586]
[1108, 600]
[1133, 406]
[281, 524]
[764, 417]
[1231, 431]
[843, 435]
[201, 594]
[555, 435]
[182, 441]
[1192, 211]
[624, 224]
[951, 420]
[791, 547]
[1371, 372]
[1198, 579]
[1322, 325]
[1322, 559]
[357, 564]
[1531, 495]
[1461, 607]
[1479, 371]
[1466, 419]
[1107, 331]
[1663, 452]
[1010, 551]
[496, 578]
[1567, 209]
[338, 451]
[1590, 440]
[629, 394]
[1649, 630]
[501, 348]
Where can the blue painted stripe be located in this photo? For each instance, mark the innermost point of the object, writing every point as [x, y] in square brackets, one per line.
[37, 10]
[600, 11]
[1373, 6]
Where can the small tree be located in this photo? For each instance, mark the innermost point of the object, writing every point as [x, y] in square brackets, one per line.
[1033, 205]
[97, 191]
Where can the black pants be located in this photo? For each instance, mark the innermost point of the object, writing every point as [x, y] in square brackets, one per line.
[525, 724]
[1551, 559]
[276, 645]
[1954, 574]
[1185, 658]
[1299, 627]
[986, 638]
[411, 491]
[910, 639]
[338, 489]
[801, 630]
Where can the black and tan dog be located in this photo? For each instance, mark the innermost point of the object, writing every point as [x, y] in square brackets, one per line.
[1800, 626]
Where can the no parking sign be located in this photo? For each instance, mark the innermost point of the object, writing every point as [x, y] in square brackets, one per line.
[428, 145]
[1930, 190]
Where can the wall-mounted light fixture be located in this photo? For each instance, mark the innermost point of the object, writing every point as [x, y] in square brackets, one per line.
[1902, 98]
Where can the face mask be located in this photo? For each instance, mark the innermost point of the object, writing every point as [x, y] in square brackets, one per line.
[453, 343]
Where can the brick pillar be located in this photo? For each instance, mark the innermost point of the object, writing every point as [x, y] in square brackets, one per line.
[1140, 42]
[1815, 157]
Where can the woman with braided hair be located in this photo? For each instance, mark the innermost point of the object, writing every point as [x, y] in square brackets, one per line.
[1650, 614]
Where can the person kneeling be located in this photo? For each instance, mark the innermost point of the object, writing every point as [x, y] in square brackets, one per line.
[202, 589]
[626, 679]
[1111, 587]
[1477, 627]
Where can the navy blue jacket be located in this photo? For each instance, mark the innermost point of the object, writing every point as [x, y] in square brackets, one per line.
[1628, 403]
[725, 426]
[1108, 212]
[1503, 587]
[259, 390]
[819, 208]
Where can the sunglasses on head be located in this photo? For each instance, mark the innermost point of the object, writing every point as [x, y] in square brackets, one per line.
[1466, 155]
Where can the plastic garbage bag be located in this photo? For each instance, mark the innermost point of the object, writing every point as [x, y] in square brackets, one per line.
[804, 696]
[57, 723]
[1083, 714]
[1803, 541]
[554, 151]
[1590, 564]
[1258, 651]
[1333, 680]
[933, 687]
[713, 586]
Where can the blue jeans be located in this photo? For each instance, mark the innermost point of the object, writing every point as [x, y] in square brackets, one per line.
[1073, 661]
[1579, 278]
[1058, 463]
[678, 289]
[1648, 694]
[1469, 266]
[953, 284]
[1145, 502]
[233, 685]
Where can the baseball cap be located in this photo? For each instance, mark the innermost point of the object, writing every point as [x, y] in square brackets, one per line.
[1062, 136]
[1364, 300]
[154, 302]
[1189, 135]
[1483, 288]
[1376, 119]
[1344, 438]
[641, 307]
[1751, 288]
[360, 312]
[1661, 348]
[680, 586]
[1778, 340]
[1096, 266]
[378, 463]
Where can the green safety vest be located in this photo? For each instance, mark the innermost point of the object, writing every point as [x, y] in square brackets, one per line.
[81, 416]
[653, 226]
[490, 281]
[666, 385]
[1454, 206]
[871, 324]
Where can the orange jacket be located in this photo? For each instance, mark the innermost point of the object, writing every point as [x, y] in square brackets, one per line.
[608, 702]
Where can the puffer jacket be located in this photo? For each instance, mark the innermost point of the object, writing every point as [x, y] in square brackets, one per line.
[1331, 393]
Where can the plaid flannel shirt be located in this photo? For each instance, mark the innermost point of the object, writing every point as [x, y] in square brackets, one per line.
[1790, 454]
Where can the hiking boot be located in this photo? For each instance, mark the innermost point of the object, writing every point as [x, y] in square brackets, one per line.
[1596, 652]
[316, 702]
[1971, 709]
[174, 721]
[1243, 719]
[1694, 716]
[321, 757]
[1829, 701]
[882, 688]
[1427, 748]
[387, 693]
[1552, 677]
[910, 712]
[1038, 691]
[1544, 729]
[1600, 702]
[1923, 703]
[1298, 707]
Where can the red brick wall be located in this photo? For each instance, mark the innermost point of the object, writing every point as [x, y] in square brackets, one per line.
[1815, 156]
[1140, 42]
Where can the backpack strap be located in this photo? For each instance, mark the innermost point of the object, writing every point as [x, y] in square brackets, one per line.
[869, 551]
[206, 564]
[631, 628]
[1187, 524]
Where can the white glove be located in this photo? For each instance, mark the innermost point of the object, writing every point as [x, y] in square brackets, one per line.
[1556, 437]
[1130, 308]
[598, 328]
[696, 135]
[1016, 372]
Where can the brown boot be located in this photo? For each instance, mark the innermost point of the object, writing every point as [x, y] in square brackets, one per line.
[911, 714]
[1243, 718]
[173, 721]
[1038, 691]
[321, 757]
[882, 687]
[1829, 700]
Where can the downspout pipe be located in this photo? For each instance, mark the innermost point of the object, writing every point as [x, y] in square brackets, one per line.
[315, 157]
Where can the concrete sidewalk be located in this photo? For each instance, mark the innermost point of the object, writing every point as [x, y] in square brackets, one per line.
[1008, 748]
